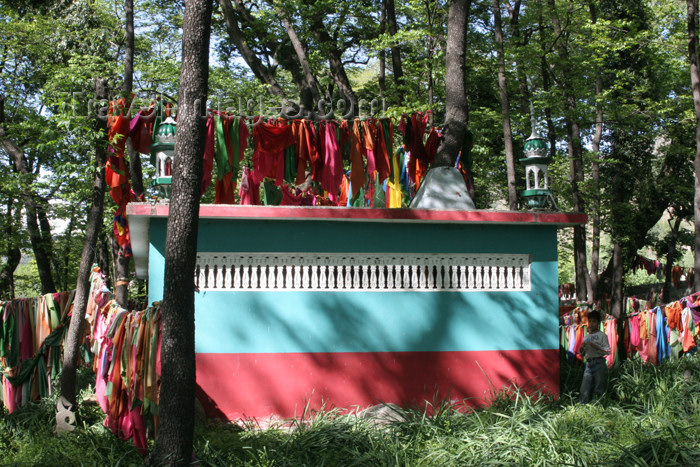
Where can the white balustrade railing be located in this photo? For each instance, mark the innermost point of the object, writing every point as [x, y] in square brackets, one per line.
[384, 272]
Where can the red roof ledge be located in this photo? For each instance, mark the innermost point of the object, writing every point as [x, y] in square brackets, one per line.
[226, 211]
[140, 215]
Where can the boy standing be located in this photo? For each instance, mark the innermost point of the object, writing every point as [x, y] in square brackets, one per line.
[594, 348]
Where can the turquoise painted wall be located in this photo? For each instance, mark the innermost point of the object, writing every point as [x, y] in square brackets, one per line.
[272, 322]
[284, 322]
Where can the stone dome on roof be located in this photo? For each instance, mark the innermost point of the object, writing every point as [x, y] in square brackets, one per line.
[166, 131]
[535, 146]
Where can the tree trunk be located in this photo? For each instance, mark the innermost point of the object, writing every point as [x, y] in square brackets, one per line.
[121, 290]
[395, 49]
[595, 179]
[43, 259]
[7, 274]
[13, 255]
[335, 62]
[382, 54]
[41, 255]
[695, 82]
[176, 425]
[104, 258]
[121, 273]
[576, 177]
[670, 255]
[455, 93]
[82, 289]
[505, 108]
[257, 67]
[544, 69]
[551, 130]
[595, 188]
[575, 151]
[46, 236]
[310, 84]
[66, 262]
[617, 276]
[129, 50]
[520, 42]
[430, 15]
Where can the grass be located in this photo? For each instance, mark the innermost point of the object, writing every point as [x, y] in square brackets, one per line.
[650, 416]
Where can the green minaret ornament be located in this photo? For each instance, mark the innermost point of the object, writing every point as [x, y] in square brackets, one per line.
[162, 151]
[537, 194]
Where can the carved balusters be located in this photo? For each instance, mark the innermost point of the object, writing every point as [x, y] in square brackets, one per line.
[439, 278]
[228, 279]
[202, 277]
[210, 276]
[276, 279]
[279, 274]
[315, 270]
[332, 277]
[414, 275]
[305, 279]
[323, 277]
[258, 271]
[347, 274]
[218, 275]
[510, 281]
[526, 278]
[264, 274]
[245, 279]
[296, 276]
[254, 272]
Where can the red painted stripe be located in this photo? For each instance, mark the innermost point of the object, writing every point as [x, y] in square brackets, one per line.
[232, 386]
[362, 214]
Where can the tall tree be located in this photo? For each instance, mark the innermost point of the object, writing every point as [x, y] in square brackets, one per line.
[575, 151]
[382, 54]
[13, 256]
[308, 85]
[121, 288]
[262, 72]
[505, 107]
[456, 107]
[82, 290]
[40, 242]
[692, 6]
[595, 171]
[395, 48]
[176, 426]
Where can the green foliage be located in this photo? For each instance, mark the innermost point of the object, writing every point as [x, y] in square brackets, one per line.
[27, 436]
[27, 283]
[650, 416]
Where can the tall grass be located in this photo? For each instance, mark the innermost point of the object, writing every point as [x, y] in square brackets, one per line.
[650, 416]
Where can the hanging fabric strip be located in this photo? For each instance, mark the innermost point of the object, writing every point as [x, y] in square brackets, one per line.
[357, 169]
[209, 151]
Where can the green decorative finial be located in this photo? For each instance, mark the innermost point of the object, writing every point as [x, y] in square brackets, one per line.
[535, 145]
[537, 194]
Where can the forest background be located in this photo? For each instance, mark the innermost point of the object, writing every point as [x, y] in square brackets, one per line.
[608, 82]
